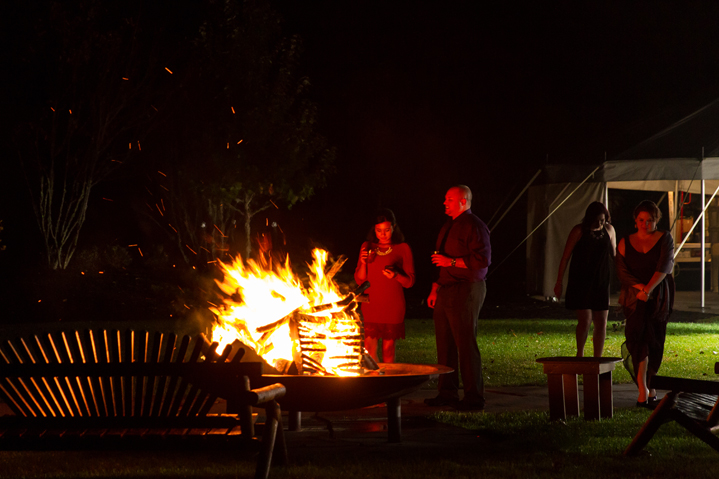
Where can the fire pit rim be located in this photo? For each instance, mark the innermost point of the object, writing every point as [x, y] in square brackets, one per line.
[337, 393]
[390, 370]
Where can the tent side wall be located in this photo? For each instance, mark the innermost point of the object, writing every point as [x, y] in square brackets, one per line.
[545, 247]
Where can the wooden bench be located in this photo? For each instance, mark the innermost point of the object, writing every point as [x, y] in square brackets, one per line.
[562, 374]
[692, 403]
[110, 390]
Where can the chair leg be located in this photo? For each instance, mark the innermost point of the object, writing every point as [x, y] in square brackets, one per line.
[280, 440]
[294, 421]
[262, 471]
[555, 384]
[394, 420]
[650, 427]
[692, 426]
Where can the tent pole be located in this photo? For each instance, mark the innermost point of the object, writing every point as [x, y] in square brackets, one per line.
[606, 187]
[501, 205]
[676, 210]
[703, 244]
[606, 195]
[515, 200]
[545, 219]
[689, 233]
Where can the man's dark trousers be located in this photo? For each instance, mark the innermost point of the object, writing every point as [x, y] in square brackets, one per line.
[455, 324]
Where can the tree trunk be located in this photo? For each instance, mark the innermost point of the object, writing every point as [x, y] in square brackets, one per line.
[61, 225]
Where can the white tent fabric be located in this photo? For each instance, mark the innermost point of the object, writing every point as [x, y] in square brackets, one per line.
[545, 247]
[678, 158]
[665, 174]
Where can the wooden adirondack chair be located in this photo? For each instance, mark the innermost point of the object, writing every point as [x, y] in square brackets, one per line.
[692, 403]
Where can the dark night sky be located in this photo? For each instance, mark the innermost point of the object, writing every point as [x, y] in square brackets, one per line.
[418, 96]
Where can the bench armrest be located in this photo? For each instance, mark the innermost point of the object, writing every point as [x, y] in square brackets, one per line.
[685, 385]
[265, 394]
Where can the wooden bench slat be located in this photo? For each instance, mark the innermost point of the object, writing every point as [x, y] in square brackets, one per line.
[128, 355]
[89, 346]
[10, 396]
[95, 389]
[114, 356]
[236, 359]
[59, 397]
[9, 392]
[90, 387]
[172, 386]
[151, 387]
[62, 355]
[190, 408]
[141, 354]
[74, 357]
[183, 388]
[24, 388]
[99, 340]
[35, 355]
[210, 398]
[169, 345]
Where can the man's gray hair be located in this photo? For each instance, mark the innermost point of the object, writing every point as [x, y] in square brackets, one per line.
[466, 193]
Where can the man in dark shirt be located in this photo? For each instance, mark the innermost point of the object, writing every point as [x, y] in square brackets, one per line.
[463, 255]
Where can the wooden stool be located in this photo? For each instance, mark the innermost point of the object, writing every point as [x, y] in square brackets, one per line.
[563, 392]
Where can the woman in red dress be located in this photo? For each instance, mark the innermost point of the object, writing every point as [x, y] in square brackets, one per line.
[386, 261]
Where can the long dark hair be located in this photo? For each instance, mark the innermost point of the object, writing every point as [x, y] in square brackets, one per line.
[381, 216]
[593, 211]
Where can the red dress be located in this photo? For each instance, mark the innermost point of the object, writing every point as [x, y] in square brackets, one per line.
[384, 313]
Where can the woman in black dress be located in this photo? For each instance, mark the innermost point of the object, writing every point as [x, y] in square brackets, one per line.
[591, 246]
[644, 265]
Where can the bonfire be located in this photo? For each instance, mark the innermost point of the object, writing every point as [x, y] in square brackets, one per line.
[313, 326]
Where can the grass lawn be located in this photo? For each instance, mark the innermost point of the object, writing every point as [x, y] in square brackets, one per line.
[510, 348]
[507, 445]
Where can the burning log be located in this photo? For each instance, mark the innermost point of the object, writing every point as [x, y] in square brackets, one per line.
[368, 363]
[267, 310]
[340, 345]
[270, 328]
[336, 267]
[347, 301]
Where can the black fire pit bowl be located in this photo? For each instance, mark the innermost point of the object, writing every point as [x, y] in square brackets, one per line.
[334, 393]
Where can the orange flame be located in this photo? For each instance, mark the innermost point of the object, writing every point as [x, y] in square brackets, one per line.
[261, 302]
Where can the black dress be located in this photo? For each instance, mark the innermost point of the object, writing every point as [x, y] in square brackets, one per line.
[646, 325]
[589, 269]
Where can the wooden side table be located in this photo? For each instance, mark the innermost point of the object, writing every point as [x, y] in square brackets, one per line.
[562, 374]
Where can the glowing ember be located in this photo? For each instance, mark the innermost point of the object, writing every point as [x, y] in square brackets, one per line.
[264, 305]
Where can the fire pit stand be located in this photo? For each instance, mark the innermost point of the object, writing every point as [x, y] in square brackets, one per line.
[333, 393]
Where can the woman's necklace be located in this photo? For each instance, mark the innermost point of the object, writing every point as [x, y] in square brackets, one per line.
[384, 253]
[599, 234]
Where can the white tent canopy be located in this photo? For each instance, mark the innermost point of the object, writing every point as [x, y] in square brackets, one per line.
[684, 174]
[683, 157]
